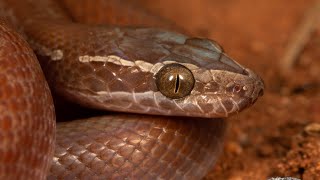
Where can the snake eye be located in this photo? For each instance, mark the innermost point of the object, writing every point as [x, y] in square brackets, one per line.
[174, 81]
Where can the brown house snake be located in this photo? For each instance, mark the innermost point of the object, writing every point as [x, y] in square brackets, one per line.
[175, 87]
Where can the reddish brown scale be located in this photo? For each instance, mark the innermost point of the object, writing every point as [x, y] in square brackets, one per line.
[27, 119]
[136, 147]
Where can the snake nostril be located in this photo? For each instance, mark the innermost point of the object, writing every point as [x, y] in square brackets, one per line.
[261, 92]
[254, 101]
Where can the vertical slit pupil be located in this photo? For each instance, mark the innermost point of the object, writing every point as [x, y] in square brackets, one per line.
[177, 84]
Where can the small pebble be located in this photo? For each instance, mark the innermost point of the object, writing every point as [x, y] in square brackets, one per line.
[284, 178]
[313, 129]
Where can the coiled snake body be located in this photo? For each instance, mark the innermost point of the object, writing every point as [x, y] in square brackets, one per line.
[178, 87]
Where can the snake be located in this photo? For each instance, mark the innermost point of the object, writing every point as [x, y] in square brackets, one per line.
[166, 96]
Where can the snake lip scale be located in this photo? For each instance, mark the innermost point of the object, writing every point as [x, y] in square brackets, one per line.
[170, 93]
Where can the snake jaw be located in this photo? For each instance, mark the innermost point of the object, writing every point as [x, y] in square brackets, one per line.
[228, 94]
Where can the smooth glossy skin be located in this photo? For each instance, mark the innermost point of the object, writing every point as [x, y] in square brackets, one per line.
[113, 68]
[23, 154]
[137, 147]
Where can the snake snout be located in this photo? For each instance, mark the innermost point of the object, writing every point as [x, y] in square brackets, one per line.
[261, 92]
[258, 87]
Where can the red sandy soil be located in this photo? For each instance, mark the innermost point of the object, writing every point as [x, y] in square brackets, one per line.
[280, 134]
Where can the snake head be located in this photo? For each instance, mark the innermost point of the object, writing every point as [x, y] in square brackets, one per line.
[216, 85]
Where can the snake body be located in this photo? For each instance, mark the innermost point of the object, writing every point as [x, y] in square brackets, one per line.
[178, 87]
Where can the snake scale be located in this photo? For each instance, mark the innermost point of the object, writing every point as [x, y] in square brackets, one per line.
[170, 91]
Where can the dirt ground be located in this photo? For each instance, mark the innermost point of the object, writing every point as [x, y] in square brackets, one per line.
[280, 134]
